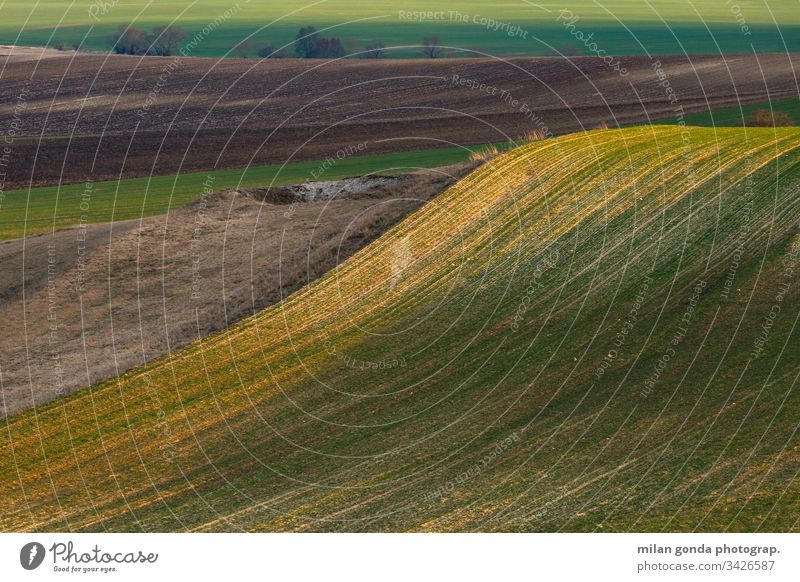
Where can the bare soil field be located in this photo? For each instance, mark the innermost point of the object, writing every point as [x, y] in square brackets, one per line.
[111, 116]
[82, 305]
[14, 53]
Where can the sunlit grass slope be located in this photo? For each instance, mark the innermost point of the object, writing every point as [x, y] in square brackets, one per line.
[591, 332]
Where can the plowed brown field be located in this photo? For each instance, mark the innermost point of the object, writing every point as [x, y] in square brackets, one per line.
[107, 116]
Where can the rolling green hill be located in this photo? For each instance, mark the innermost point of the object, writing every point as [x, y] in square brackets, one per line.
[507, 28]
[594, 332]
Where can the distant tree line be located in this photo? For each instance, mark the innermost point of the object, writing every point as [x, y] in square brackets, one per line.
[308, 44]
[161, 41]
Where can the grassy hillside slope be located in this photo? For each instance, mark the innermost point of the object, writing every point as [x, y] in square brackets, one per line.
[590, 332]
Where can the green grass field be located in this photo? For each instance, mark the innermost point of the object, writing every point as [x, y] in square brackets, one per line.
[702, 26]
[27, 212]
[572, 338]
[738, 116]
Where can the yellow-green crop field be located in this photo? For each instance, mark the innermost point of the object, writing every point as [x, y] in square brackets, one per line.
[581, 335]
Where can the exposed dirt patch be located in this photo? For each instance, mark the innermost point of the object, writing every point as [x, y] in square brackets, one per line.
[15, 54]
[96, 302]
[353, 188]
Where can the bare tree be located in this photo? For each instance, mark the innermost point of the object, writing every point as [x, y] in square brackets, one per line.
[129, 40]
[431, 47]
[376, 50]
[329, 48]
[165, 40]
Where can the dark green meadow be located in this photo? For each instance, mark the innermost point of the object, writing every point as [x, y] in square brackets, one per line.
[509, 28]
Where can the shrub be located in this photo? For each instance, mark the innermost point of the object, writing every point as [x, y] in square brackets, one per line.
[244, 49]
[329, 48]
[485, 154]
[535, 135]
[767, 118]
[129, 40]
[268, 51]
